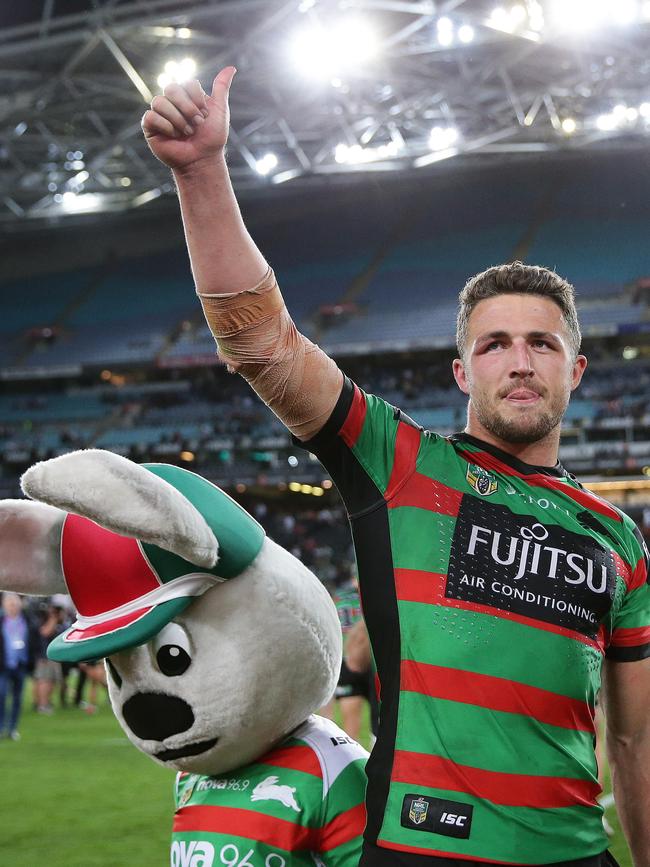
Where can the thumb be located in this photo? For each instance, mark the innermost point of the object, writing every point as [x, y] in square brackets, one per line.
[221, 84]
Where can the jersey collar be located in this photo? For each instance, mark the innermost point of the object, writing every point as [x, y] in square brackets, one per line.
[557, 471]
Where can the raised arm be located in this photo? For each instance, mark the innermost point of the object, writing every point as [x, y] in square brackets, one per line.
[627, 704]
[187, 130]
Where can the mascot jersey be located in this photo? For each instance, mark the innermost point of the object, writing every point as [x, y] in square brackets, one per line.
[300, 804]
[492, 591]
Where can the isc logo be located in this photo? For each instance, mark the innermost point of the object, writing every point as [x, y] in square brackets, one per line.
[453, 819]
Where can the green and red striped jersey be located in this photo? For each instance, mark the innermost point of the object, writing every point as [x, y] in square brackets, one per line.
[348, 607]
[492, 591]
[300, 804]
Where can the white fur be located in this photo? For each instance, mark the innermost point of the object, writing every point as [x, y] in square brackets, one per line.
[30, 536]
[266, 653]
[125, 498]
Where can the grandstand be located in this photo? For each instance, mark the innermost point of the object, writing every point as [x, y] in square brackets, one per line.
[116, 354]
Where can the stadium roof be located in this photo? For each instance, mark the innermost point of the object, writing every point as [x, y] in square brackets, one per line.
[325, 90]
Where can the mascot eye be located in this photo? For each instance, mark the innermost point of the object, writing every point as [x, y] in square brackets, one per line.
[171, 648]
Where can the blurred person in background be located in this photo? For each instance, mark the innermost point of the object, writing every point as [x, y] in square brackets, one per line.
[47, 672]
[351, 693]
[357, 655]
[18, 648]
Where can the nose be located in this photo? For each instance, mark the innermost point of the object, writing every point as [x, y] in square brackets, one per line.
[520, 360]
[155, 716]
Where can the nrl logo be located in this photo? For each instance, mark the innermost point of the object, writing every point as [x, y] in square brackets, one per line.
[187, 791]
[483, 482]
[418, 811]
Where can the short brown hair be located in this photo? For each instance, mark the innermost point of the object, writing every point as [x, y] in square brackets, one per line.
[517, 278]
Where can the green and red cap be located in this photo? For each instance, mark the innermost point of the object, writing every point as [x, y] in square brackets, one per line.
[126, 590]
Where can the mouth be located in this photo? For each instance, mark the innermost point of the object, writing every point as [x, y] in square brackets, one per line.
[188, 750]
[522, 396]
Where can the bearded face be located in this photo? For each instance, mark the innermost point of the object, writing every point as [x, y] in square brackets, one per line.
[518, 369]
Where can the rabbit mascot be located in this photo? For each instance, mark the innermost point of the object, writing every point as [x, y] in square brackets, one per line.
[219, 646]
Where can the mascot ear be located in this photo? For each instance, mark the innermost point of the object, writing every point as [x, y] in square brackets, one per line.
[30, 540]
[126, 498]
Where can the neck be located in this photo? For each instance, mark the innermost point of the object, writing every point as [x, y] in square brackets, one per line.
[541, 453]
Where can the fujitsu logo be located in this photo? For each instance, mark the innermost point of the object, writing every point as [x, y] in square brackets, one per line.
[530, 556]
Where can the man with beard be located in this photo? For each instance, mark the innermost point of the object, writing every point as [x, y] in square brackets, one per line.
[497, 592]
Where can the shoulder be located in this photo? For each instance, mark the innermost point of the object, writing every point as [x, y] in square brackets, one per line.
[333, 748]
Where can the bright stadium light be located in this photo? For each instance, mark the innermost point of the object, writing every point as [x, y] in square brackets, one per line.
[569, 125]
[500, 20]
[625, 11]
[326, 53]
[442, 137]
[644, 110]
[177, 71]
[72, 203]
[266, 164]
[345, 154]
[631, 114]
[445, 28]
[583, 15]
[607, 122]
[518, 14]
[645, 10]
[466, 33]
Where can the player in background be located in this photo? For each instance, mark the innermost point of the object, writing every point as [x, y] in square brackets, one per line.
[351, 692]
[497, 592]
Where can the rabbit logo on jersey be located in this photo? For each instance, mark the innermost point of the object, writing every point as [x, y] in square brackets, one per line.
[269, 790]
[544, 571]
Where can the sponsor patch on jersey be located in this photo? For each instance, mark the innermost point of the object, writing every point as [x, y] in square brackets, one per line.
[481, 480]
[437, 816]
[516, 563]
[187, 791]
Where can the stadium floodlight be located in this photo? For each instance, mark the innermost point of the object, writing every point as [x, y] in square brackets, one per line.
[569, 125]
[583, 15]
[184, 33]
[266, 164]
[619, 111]
[325, 53]
[500, 20]
[442, 137]
[518, 14]
[578, 15]
[644, 110]
[177, 71]
[607, 122]
[645, 10]
[625, 11]
[355, 154]
[631, 114]
[445, 28]
[72, 203]
[466, 33]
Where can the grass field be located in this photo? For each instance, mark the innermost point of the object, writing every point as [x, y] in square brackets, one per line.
[75, 793]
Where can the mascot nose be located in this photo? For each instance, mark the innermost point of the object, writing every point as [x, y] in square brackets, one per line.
[155, 716]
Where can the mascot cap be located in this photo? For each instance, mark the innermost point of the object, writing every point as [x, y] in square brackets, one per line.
[126, 590]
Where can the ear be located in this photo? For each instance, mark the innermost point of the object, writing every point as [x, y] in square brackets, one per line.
[125, 498]
[579, 367]
[30, 540]
[460, 375]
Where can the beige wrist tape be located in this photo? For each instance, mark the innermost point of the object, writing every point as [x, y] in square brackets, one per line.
[256, 337]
